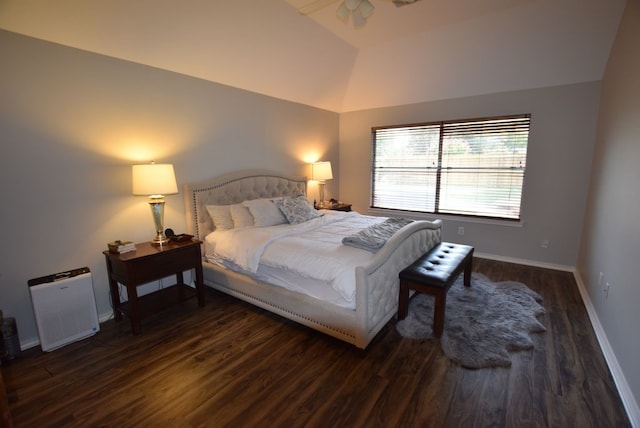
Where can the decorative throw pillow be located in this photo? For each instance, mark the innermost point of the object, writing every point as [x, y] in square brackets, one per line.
[241, 216]
[297, 210]
[264, 212]
[221, 216]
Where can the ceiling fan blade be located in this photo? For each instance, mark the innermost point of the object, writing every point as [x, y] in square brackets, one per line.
[400, 3]
[314, 5]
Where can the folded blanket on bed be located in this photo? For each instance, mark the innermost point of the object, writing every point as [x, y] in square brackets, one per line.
[374, 237]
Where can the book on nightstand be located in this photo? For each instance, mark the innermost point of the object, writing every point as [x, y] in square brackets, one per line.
[121, 246]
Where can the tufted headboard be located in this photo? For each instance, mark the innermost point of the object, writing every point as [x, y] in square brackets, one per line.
[234, 188]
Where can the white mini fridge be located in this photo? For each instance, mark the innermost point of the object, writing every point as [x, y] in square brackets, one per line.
[65, 308]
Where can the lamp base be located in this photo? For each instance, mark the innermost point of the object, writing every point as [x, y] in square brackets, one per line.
[157, 210]
[321, 204]
[160, 240]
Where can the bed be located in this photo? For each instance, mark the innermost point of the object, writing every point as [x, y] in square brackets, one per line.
[374, 297]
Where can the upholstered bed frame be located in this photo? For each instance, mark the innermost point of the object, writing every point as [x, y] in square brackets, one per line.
[376, 284]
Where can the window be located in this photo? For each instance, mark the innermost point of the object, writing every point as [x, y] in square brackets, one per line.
[473, 167]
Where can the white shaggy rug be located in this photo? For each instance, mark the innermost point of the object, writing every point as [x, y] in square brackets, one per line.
[483, 323]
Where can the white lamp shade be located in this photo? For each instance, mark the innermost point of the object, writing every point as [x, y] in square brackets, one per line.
[153, 179]
[321, 171]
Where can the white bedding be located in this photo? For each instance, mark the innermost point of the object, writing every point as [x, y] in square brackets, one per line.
[312, 250]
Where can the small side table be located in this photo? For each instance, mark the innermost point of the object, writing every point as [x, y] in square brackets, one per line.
[150, 263]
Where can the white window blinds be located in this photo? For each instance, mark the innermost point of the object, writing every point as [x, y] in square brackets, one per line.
[474, 167]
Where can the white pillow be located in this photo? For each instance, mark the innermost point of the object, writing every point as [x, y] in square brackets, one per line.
[241, 216]
[221, 216]
[264, 212]
[297, 210]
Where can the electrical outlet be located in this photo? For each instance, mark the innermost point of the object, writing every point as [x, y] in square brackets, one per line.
[606, 290]
[460, 230]
[545, 243]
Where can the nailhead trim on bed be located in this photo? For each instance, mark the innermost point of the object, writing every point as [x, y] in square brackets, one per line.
[296, 314]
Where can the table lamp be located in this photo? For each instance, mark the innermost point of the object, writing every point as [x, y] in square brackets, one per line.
[155, 180]
[321, 171]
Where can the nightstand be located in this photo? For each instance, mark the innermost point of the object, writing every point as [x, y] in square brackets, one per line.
[151, 263]
[337, 207]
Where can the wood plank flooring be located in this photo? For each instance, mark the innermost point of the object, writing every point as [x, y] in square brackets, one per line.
[231, 364]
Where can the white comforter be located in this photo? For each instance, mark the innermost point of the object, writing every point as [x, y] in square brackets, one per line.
[312, 249]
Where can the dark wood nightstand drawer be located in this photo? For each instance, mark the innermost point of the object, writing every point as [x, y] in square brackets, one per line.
[148, 269]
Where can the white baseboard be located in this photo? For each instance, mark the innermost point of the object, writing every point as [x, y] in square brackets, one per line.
[523, 262]
[626, 395]
[29, 343]
[105, 317]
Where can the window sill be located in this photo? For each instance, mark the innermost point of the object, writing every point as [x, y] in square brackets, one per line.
[457, 218]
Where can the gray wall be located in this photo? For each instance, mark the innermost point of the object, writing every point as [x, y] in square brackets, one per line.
[559, 157]
[611, 238]
[71, 125]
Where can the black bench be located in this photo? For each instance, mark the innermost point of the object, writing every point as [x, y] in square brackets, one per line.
[434, 273]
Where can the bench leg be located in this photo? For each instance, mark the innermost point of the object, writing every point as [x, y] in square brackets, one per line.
[403, 300]
[438, 313]
[467, 270]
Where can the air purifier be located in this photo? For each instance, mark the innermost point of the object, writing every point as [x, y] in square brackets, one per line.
[65, 308]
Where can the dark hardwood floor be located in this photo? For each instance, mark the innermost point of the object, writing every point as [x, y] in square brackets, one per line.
[231, 364]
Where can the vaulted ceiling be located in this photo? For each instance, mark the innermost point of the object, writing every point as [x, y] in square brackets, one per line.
[429, 50]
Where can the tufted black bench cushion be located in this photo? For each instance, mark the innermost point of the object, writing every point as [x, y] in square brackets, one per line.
[434, 273]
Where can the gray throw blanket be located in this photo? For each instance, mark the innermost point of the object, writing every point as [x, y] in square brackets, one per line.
[374, 237]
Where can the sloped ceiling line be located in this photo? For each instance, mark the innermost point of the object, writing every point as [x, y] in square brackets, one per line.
[430, 50]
